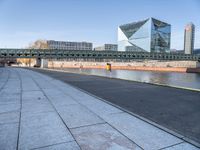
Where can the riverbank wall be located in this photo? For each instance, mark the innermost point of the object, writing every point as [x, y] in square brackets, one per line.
[150, 65]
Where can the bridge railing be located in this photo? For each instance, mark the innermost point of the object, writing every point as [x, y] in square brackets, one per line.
[82, 54]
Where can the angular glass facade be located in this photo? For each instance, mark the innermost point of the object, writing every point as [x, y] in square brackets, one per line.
[150, 35]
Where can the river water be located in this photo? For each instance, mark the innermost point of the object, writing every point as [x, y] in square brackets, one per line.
[185, 80]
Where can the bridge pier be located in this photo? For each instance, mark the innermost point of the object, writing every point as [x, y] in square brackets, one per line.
[198, 64]
[44, 63]
[38, 62]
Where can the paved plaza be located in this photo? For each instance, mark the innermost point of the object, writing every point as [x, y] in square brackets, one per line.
[42, 113]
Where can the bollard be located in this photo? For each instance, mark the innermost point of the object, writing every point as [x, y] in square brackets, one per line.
[108, 66]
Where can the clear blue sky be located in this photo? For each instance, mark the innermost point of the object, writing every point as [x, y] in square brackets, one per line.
[24, 21]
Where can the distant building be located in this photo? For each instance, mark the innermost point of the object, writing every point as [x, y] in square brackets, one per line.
[107, 47]
[150, 35]
[196, 51]
[51, 44]
[189, 38]
[175, 51]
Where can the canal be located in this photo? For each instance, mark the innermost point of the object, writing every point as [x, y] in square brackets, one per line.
[185, 80]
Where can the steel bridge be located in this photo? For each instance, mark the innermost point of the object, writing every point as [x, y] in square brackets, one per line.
[82, 54]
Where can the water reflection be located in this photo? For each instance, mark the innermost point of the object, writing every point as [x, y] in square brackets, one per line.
[189, 80]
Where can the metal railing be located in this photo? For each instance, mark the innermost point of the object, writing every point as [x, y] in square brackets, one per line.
[82, 54]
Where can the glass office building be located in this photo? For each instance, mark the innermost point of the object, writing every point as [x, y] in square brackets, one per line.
[150, 35]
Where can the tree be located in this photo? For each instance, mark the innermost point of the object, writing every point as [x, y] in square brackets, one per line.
[39, 44]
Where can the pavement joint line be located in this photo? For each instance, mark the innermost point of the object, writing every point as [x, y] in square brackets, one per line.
[6, 81]
[37, 112]
[19, 126]
[52, 145]
[182, 137]
[171, 145]
[105, 122]
[88, 125]
[7, 112]
[29, 90]
[56, 112]
[66, 105]
[8, 104]
[9, 123]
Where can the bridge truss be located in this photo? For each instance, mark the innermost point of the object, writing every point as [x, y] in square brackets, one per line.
[82, 54]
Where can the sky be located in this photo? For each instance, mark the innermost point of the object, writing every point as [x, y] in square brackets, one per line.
[24, 21]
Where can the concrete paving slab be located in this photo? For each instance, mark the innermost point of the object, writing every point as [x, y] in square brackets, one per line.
[101, 137]
[79, 96]
[15, 98]
[64, 146]
[36, 106]
[77, 116]
[29, 85]
[8, 136]
[101, 108]
[40, 76]
[144, 134]
[65, 87]
[11, 117]
[182, 146]
[12, 87]
[82, 99]
[9, 107]
[92, 103]
[63, 100]
[13, 81]
[58, 98]
[42, 129]
[30, 95]
[7, 94]
[44, 84]
[54, 92]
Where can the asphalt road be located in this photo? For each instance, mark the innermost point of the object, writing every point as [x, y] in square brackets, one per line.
[175, 109]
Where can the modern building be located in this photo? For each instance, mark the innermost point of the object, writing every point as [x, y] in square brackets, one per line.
[150, 35]
[51, 44]
[107, 47]
[189, 38]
